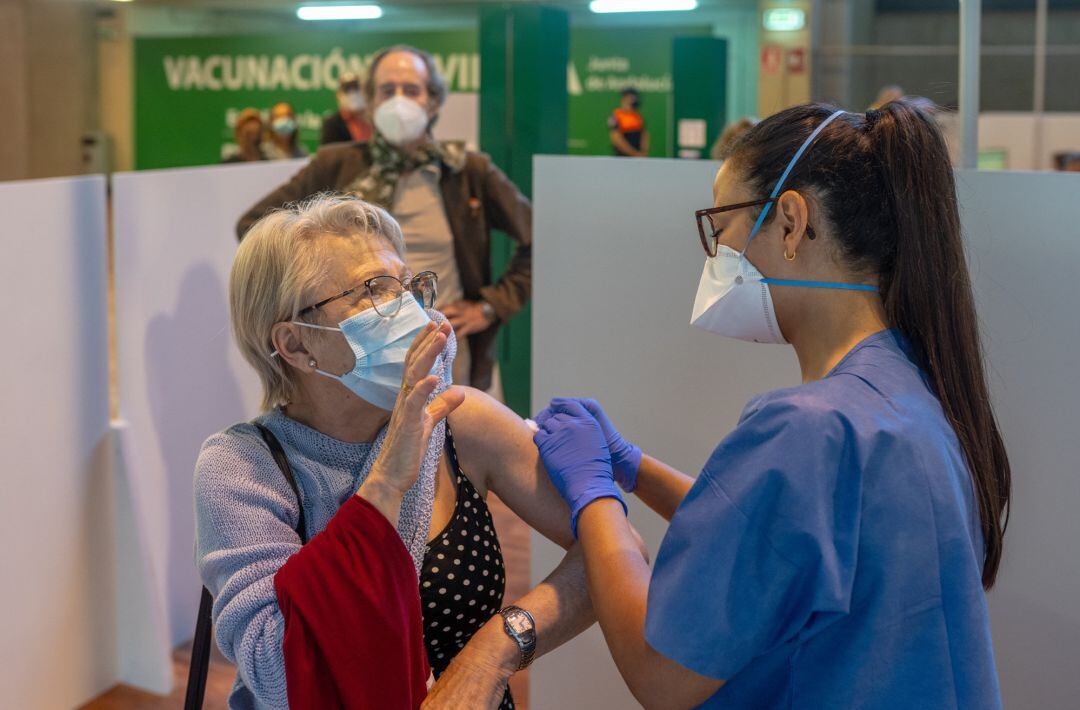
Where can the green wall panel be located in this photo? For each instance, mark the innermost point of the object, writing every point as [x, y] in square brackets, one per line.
[523, 112]
[185, 88]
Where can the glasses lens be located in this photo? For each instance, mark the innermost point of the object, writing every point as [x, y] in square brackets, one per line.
[424, 288]
[707, 232]
[385, 295]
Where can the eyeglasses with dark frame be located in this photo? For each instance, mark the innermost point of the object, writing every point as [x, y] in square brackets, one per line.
[709, 237]
[385, 292]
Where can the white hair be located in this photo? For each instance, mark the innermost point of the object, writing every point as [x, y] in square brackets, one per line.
[277, 267]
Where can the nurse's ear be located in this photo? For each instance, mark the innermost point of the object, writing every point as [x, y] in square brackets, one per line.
[793, 221]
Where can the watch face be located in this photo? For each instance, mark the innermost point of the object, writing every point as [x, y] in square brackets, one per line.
[518, 623]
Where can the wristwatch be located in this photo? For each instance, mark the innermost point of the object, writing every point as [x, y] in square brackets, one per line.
[489, 311]
[519, 625]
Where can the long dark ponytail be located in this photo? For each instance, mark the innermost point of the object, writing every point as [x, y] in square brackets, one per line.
[885, 184]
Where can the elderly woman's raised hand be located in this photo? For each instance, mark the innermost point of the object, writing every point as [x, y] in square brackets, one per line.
[411, 423]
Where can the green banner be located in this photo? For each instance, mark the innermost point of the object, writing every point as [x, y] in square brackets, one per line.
[189, 90]
[604, 62]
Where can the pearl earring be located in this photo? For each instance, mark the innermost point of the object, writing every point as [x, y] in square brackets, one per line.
[312, 363]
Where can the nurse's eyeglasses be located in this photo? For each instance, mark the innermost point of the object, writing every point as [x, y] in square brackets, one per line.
[710, 233]
[385, 293]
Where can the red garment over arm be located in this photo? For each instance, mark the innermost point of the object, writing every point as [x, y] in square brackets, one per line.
[353, 626]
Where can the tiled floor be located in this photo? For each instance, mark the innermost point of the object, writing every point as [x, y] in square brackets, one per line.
[514, 537]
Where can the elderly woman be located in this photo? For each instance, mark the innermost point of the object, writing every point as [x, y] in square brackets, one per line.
[325, 311]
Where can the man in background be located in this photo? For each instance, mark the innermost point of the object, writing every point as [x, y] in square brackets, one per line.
[446, 199]
[626, 127]
[350, 122]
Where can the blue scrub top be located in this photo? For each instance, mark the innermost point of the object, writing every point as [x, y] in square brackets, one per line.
[830, 553]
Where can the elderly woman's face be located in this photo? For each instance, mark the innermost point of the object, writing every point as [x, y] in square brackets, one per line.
[347, 263]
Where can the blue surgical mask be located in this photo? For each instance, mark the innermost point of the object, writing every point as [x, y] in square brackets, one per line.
[284, 126]
[379, 344]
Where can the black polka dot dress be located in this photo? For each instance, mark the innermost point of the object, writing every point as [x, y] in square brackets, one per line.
[463, 577]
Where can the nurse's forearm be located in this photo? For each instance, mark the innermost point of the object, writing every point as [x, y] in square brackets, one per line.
[618, 578]
[661, 487]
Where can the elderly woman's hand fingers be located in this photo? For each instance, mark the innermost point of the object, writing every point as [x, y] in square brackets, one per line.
[445, 403]
[424, 333]
[425, 350]
[421, 343]
[424, 359]
[423, 391]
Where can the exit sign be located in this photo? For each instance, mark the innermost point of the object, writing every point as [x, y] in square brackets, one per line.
[785, 19]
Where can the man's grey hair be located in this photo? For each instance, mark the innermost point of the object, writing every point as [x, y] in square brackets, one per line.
[436, 85]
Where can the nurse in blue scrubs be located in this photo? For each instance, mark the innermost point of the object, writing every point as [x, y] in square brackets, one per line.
[835, 548]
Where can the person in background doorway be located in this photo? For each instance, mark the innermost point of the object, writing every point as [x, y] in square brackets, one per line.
[626, 127]
[1067, 161]
[283, 140]
[731, 133]
[446, 199]
[350, 122]
[248, 133]
[888, 94]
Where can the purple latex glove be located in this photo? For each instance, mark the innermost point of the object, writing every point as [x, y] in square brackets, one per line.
[625, 457]
[575, 454]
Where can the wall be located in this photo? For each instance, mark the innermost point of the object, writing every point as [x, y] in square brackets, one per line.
[739, 26]
[49, 86]
[785, 82]
[116, 80]
[735, 20]
[1014, 136]
[860, 50]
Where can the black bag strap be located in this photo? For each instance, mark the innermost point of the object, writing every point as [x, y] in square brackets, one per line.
[200, 647]
[283, 463]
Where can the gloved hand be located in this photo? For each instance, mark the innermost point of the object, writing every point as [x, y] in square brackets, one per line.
[575, 454]
[625, 457]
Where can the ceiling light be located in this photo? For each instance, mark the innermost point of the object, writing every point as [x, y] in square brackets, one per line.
[642, 5]
[784, 19]
[339, 12]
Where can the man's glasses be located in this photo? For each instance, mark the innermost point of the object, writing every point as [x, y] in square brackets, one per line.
[385, 293]
[710, 233]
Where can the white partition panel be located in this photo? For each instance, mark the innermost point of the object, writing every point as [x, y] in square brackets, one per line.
[1023, 233]
[58, 644]
[181, 377]
[617, 263]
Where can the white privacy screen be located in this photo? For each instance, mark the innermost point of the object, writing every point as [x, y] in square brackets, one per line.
[58, 642]
[181, 379]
